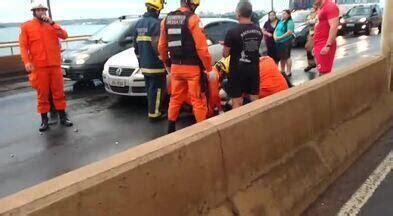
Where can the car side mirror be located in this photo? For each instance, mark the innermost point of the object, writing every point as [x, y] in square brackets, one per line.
[127, 40]
[209, 42]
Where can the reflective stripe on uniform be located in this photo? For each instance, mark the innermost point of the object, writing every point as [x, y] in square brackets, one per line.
[143, 38]
[157, 112]
[174, 31]
[158, 101]
[151, 71]
[175, 43]
[154, 115]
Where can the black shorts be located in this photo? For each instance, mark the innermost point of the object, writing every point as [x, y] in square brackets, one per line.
[284, 50]
[244, 80]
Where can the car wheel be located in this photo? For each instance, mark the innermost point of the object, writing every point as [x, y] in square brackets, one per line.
[380, 29]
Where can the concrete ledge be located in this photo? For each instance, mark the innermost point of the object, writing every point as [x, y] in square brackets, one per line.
[296, 180]
[184, 168]
[271, 157]
[11, 66]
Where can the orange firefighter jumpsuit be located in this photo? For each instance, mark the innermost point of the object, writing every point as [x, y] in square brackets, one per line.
[39, 44]
[271, 79]
[185, 79]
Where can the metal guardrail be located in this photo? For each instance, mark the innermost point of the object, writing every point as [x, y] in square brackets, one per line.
[13, 46]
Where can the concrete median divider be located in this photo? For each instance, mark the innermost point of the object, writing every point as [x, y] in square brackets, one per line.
[271, 157]
[11, 66]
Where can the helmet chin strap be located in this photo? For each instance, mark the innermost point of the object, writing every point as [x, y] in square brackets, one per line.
[35, 15]
[192, 7]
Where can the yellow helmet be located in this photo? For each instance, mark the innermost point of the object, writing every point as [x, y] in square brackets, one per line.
[155, 4]
[194, 2]
[223, 64]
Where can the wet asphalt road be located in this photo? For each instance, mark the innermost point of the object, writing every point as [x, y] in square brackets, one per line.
[341, 191]
[104, 124]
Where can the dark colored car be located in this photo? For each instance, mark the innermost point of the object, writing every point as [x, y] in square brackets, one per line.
[87, 61]
[361, 18]
[301, 28]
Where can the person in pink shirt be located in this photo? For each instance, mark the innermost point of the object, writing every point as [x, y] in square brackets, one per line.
[325, 35]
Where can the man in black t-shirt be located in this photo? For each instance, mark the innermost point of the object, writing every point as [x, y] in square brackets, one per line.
[242, 44]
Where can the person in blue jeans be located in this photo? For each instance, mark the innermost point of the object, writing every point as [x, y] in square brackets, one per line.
[283, 36]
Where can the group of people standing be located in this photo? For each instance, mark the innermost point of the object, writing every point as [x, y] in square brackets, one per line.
[177, 46]
[278, 38]
[322, 22]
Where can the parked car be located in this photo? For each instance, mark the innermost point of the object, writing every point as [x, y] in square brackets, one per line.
[362, 18]
[121, 73]
[301, 28]
[87, 61]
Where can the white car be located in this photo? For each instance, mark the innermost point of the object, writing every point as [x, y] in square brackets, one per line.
[122, 75]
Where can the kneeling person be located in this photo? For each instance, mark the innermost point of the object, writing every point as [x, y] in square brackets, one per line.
[271, 79]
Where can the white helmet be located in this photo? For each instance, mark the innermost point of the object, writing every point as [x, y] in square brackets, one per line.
[38, 5]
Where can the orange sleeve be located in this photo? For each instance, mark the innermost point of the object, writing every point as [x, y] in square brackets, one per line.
[214, 89]
[198, 34]
[24, 45]
[163, 44]
[61, 33]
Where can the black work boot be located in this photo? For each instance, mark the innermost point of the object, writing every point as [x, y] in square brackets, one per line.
[64, 119]
[53, 117]
[171, 127]
[44, 122]
[310, 67]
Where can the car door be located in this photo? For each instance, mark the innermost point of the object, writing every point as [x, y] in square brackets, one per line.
[380, 15]
[374, 17]
[126, 41]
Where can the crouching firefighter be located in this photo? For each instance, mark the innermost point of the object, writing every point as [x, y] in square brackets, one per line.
[183, 39]
[147, 33]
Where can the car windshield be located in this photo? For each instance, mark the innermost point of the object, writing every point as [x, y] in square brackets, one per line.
[359, 12]
[111, 32]
[300, 16]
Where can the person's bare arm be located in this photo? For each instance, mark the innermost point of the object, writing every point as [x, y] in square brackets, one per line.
[266, 33]
[288, 34]
[333, 30]
[332, 34]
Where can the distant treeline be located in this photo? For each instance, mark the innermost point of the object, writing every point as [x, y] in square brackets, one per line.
[106, 21]
[231, 15]
[70, 22]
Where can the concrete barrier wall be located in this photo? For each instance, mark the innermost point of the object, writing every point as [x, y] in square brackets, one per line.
[280, 157]
[11, 65]
[271, 157]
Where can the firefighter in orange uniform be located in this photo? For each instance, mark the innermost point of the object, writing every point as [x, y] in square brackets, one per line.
[271, 79]
[40, 50]
[183, 39]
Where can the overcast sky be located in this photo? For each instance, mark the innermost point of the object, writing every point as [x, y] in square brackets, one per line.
[18, 10]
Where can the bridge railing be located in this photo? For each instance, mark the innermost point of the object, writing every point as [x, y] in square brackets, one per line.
[12, 48]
